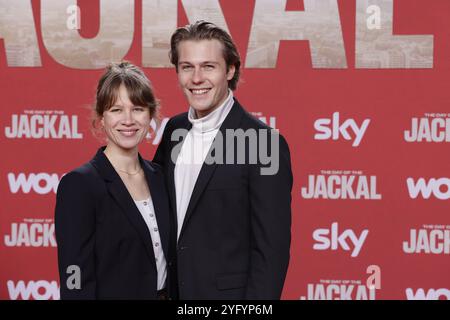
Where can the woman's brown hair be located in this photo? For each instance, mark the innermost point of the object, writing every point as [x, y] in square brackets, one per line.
[139, 88]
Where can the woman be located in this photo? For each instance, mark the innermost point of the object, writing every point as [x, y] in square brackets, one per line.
[112, 214]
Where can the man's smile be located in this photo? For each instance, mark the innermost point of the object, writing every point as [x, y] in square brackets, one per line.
[199, 92]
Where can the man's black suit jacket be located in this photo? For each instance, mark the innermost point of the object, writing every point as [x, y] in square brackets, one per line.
[235, 239]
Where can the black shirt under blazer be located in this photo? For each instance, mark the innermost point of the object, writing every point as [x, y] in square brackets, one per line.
[235, 238]
[100, 229]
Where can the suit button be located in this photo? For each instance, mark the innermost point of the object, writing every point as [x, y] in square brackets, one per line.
[170, 264]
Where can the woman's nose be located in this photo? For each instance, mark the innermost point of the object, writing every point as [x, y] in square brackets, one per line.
[128, 117]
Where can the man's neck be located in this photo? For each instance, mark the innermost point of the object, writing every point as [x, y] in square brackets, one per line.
[203, 113]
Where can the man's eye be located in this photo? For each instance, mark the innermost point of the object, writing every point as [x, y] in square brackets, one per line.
[209, 67]
[186, 68]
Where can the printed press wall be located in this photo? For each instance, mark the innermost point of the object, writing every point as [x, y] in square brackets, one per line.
[359, 88]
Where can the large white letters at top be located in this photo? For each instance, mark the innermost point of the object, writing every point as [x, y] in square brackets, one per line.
[19, 33]
[319, 23]
[380, 49]
[70, 49]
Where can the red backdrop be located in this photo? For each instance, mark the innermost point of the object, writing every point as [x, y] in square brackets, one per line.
[348, 68]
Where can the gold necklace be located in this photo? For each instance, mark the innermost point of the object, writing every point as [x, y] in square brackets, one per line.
[130, 173]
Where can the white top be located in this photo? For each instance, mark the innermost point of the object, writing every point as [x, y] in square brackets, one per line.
[193, 153]
[148, 213]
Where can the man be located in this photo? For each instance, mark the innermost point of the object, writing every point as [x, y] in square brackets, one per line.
[233, 217]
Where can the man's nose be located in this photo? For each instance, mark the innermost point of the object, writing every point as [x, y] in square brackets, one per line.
[197, 76]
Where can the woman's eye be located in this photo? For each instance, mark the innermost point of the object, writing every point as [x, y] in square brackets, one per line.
[114, 110]
[139, 109]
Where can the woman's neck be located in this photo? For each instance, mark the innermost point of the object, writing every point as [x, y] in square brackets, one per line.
[126, 160]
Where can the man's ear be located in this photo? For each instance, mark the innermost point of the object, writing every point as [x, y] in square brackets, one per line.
[231, 71]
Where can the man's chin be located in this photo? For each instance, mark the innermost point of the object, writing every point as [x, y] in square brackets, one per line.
[201, 109]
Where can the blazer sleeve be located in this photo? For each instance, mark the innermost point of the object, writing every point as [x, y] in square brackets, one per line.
[270, 201]
[75, 237]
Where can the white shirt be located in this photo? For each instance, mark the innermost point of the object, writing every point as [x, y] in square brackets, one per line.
[148, 213]
[193, 153]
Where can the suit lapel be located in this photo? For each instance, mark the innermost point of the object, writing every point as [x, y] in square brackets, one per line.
[231, 122]
[171, 164]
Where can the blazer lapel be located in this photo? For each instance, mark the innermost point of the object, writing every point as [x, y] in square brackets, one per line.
[206, 172]
[119, 192]
[171, 164]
